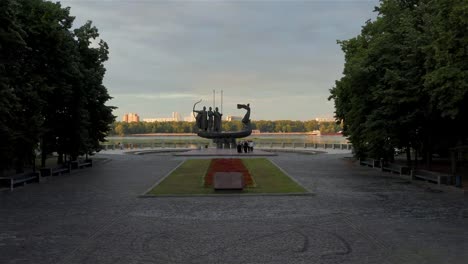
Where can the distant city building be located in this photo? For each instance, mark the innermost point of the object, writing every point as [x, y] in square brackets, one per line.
[174, 118]
[325, 119]
[131, 117]
[233, 118]
[159, 119]
[189, 118]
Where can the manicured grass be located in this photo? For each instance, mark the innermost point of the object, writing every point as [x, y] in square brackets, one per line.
[270, 179]
[187, 179]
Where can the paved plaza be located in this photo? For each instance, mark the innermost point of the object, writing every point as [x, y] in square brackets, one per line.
[357, 215]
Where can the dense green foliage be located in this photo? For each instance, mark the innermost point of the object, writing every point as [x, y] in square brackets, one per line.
[123, 128]
[51, 92]
[405, 83]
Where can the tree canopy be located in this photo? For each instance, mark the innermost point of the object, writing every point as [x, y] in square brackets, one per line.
[51, 94]
[123, 128]
[404, 83]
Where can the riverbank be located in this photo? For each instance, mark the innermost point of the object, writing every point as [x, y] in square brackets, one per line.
[253, 133]
[178, 150]
[190, 138]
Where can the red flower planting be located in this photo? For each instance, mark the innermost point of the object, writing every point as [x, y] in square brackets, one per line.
[227, 165]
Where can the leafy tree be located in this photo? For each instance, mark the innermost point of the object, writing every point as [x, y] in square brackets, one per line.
[51, 63]
[28, 86]
[351, 96]
[446, 82]
[92, 115]
[51, 92]
[404, 79]
[12, 50]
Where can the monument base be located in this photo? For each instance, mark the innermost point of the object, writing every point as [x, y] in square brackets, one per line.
[225, 143]
[228, 181]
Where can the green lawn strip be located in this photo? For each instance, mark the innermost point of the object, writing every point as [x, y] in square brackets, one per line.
[187, 179]
[269, 178]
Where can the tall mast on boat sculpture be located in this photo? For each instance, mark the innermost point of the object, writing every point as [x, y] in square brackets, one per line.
[214, 99]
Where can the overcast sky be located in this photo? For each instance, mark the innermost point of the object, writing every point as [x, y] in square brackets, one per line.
[279, 56]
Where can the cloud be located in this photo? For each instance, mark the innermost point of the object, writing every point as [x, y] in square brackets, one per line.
[152, 96]
[164, 55]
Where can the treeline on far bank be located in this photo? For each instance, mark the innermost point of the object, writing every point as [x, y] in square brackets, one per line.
[124, 128]
[51, 94]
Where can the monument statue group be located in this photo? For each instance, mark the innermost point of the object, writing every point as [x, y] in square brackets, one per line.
[208, 120]
[209, 124]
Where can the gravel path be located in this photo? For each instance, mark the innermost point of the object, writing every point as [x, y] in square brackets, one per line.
[358, 215]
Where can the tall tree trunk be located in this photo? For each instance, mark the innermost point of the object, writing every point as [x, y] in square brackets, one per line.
[43, 154]
[43, 158]
[19, 165]
[408, 156]
[60, 158]
[415, 158]
[428, 152]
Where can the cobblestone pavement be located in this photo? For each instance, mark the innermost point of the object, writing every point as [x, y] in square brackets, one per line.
[358, 215]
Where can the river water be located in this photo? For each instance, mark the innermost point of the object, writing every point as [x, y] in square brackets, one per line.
[259, 138]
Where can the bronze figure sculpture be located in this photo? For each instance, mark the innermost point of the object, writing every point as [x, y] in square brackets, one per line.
[209, 124]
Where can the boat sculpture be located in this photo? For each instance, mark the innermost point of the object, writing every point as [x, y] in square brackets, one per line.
[211, 129]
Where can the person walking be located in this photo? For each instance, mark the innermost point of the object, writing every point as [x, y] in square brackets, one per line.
[239, 147]
[251, 145]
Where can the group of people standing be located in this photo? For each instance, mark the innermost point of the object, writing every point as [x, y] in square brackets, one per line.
[246, 145]
[208, 120]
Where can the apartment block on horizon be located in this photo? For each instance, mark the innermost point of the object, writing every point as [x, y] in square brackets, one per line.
[131, 117]
[325, 119]
[175, 117]
[189, 118]
[233, 118]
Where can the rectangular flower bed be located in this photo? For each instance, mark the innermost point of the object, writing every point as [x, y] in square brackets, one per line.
[228, 165]
[195, 177]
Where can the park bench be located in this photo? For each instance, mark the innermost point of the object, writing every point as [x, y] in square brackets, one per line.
[432, 176]
[55, 171]
[85, 163]
[392, 167]
[21, 178]
[370, 162]
[79, 164]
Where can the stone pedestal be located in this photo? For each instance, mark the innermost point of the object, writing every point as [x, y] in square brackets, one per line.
[225, 143]
[228, 181]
